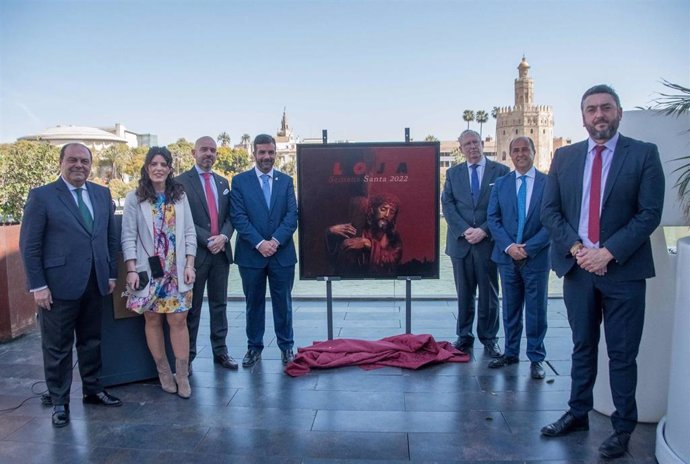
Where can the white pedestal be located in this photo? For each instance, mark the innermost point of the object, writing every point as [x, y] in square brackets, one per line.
[673, 442]
[653, 361]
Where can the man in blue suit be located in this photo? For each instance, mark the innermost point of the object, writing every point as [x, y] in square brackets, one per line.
[264, 213]
[465, 201]
[521, 251]
[603, 199]
[68, 242]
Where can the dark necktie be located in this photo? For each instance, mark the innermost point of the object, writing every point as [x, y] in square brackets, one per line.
[211, 203]
[522, 208]
[595, 196]
[266, 187]
[474, 186]
[84, 210]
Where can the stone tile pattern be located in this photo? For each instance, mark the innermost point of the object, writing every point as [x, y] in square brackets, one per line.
[450, 413]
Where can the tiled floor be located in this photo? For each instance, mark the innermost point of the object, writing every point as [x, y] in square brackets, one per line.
[446, 413]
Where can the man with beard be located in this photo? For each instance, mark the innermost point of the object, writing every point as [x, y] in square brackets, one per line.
[603, 199]
[208, 196]
[263, 210]
[469, 244]
[376, 249]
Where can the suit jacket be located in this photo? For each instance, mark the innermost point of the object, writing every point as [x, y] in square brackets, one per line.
[503, 222]
[631, 207]
[58, 250]
[254, 221]
[458, 208]
[196, 196]
[137, 237]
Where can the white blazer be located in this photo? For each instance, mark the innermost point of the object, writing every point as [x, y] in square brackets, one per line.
[138, 217]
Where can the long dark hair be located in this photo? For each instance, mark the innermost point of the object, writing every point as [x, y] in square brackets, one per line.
[145, 191]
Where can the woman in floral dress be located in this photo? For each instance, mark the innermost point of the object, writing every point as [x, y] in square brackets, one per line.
[159, 245]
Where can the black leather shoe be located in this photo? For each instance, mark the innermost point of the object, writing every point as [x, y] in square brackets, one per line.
[615, 446]
[492, 350]
[536, 370]
[251, 358]
[566, 424]
[503, 361]
[103, 398]
[287, 356]
[60, 415]
[463, 345]
[226, 361]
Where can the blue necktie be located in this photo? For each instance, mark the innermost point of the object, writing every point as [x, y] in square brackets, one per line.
[522, 208]
[474, 186]
[266, 187]
[84, 210]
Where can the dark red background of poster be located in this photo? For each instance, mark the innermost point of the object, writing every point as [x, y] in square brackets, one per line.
[332, 177]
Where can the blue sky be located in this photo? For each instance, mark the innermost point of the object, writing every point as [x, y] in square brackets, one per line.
[364, 70]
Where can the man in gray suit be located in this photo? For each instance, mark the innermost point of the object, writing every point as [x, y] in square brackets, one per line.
[603, 199]
[68, 243]
[209, 198]
[465, 201]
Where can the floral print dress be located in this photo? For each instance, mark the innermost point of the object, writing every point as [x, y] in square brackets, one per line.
[164, 295]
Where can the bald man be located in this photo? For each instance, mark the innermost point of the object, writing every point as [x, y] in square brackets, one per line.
[209, 198]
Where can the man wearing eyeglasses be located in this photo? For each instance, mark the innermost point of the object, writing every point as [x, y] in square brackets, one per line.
[465, 201]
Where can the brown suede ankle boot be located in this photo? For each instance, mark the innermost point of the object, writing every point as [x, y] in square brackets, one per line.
[184, 390]
[165, 376]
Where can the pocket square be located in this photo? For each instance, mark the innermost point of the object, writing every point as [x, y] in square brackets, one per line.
[226, 191]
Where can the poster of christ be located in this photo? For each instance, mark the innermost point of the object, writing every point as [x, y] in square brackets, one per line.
[368, 210]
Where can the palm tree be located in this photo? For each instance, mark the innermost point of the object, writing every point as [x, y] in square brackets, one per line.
[678, 104]
[224, 139]
[482, 117]
[430, 138]
[468, 116]
[246, 138]
[494, 112]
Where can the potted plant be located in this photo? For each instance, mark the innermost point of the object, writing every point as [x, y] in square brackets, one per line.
[23, 165]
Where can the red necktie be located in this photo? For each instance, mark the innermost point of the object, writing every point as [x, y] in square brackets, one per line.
[595, 196]
[211, 202]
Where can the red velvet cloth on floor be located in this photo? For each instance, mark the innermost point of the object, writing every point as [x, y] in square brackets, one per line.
[406, 351]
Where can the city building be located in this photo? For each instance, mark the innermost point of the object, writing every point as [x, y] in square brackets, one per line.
[97, 139]
[525, 118]
[286, 143]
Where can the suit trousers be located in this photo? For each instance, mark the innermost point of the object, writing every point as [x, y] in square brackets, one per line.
[58, 327]
[212, 276]
[280, 280]
[476, 270]
[524, 289]
[588, 299]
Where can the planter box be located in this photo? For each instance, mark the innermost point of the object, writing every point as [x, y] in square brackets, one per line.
[17, 307]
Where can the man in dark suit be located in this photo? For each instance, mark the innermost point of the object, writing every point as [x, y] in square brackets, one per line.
[602, 201]
[264, 213]
[465, 201]
[521, 252]
[209, 199]
[68, 242]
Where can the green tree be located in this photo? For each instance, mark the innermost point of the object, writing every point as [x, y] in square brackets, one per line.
[677, 104]
[224, 139]
[482, 116]
[430, 138]
[494, 112]
[182, 155]
[232, 161]
[23, 166]
[132, 168]
[468, 116]
[246, 138]
[113, 159]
